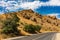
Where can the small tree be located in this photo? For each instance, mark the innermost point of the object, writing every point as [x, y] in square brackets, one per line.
[32, 28]
[10, 25]
[29, 28]
[37, 28]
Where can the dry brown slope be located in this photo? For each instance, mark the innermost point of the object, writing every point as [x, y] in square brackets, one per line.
[48, 23]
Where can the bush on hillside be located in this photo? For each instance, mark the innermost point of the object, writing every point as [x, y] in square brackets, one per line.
[37, 28]
[32, 28]
[10, 25]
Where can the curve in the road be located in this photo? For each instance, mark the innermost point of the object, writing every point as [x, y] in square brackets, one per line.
[43, 36]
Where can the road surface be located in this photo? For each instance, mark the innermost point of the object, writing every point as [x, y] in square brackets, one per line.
[43, 36]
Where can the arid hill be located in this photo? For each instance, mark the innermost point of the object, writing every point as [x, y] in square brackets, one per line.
[48, 23]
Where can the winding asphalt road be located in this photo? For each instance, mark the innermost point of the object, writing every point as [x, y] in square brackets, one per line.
[43, 36]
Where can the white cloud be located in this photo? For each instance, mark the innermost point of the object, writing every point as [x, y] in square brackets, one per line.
[52, 3]
[54, 14]
[37, 4]
[28, 5]
[2, 3]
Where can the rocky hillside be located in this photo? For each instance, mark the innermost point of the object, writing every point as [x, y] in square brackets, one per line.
[48, 23]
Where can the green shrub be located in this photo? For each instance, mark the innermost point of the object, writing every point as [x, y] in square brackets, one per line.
[32, 28]
[10, 25]
[29, 28]
[37, 28]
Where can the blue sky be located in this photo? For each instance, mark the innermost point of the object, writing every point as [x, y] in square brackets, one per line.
[44, 7]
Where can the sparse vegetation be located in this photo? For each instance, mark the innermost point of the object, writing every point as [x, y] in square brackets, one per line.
[34, 19]
[37, 28]
[32, 28]
[26, 16]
